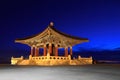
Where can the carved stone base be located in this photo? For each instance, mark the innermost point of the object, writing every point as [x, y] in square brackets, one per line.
[51, 60]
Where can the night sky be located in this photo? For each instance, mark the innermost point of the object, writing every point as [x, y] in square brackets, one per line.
[97, 20]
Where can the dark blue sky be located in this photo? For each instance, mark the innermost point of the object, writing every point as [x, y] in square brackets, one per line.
[97, 20]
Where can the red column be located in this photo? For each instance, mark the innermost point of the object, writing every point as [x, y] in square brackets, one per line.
[31, 53]
[66, 51]
[50, 48]
[36, 51]
[71, 51]
[56, 50]
[44, 50]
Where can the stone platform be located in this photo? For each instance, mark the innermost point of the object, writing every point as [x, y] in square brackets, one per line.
[50, 60]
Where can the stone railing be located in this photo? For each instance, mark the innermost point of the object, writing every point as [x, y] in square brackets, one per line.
[79, 58]
[16, 60]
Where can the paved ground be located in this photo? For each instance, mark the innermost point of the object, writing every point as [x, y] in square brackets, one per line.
[84, 72]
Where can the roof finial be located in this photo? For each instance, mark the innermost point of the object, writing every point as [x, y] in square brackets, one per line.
[51, 24]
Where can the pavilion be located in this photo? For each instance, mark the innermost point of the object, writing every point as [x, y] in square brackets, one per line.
[51, 40]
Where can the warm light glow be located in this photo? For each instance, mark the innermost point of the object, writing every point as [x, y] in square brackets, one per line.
[54, 40]
[51, 60]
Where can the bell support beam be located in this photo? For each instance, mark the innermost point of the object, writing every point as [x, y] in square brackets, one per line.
[50, 48]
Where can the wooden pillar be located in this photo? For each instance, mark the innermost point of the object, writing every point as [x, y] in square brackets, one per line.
[50, 48]
[31, 53]
[56, 50]
[45, 49]
[36, 51]
[66, 51]
[71, 51]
